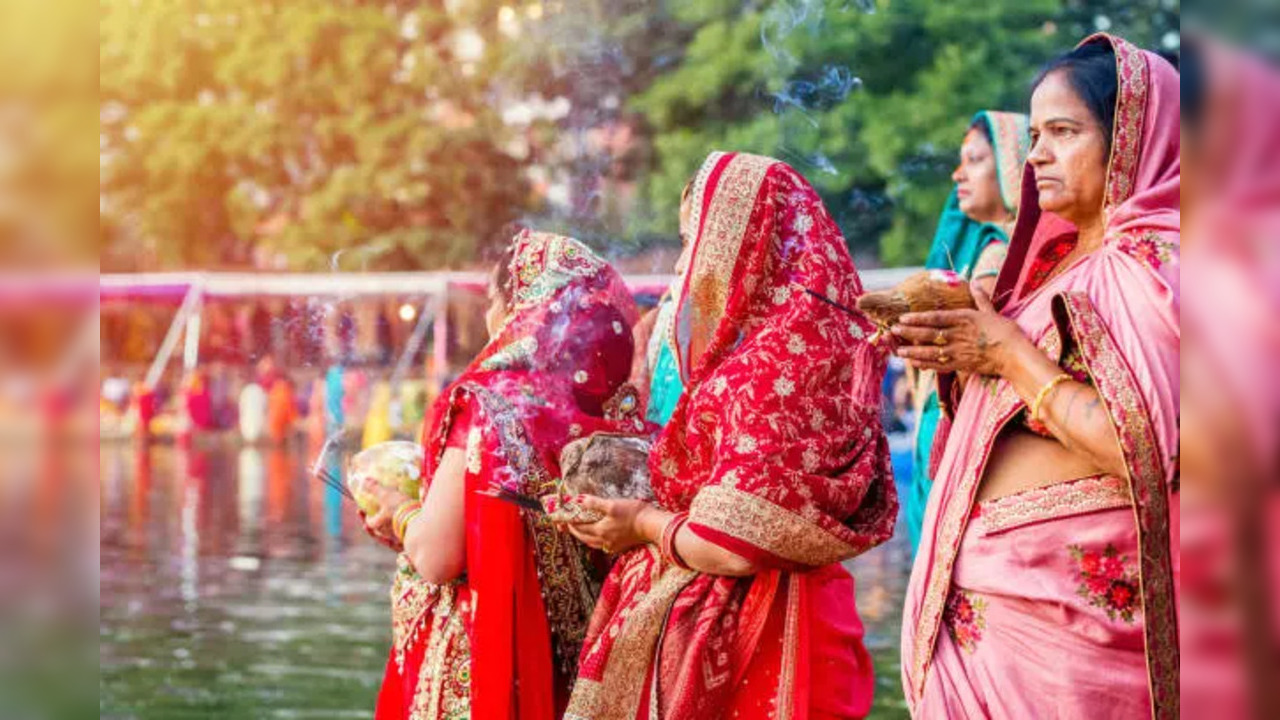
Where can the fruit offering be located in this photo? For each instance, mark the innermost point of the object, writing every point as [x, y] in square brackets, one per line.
[396, 464]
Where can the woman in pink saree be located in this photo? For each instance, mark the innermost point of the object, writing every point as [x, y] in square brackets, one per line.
[728, 599]
[1044, 584]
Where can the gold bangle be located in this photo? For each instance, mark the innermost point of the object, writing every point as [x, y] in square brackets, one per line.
[401, 517]
[1044, 393]
[408, 519]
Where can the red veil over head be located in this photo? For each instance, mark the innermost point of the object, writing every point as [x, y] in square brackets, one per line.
[775, 449]
[547, 377]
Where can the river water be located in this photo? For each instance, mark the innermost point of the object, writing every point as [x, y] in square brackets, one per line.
[234, 586]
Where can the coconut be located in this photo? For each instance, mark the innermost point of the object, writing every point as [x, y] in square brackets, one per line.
[396, 464]
[921, 292]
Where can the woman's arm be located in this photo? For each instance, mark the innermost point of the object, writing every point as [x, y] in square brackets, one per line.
[1072, 410]
[983, 341]
[435, 539]
[628, 523]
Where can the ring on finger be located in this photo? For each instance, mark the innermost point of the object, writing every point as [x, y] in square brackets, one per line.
[943, 357]
[940, 339]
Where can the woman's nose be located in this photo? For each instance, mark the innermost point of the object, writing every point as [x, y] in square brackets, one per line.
[958, 174]
[1038, 155]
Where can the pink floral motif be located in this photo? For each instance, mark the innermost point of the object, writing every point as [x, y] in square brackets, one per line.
[1149, 249]
[1107, 581]
[965, 617]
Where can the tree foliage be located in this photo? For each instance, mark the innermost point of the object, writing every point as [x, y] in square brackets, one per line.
[868, 99]
[306, 128]
[380, 133]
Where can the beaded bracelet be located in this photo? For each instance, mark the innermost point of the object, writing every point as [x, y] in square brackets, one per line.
[669, 533]
[403, 516]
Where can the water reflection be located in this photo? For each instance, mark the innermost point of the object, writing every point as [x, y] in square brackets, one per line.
[234, 586]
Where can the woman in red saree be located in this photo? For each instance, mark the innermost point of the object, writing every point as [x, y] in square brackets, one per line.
[490, 602]
[729, 600]
[1044, 584]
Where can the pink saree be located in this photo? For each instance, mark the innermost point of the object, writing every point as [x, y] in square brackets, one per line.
[1061, 600]
[776, 452]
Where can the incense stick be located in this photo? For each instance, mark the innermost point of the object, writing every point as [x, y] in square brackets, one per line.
[523, 501]
[827, 300]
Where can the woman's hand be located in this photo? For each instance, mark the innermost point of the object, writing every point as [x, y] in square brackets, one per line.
[379, 524]
[620, 528]
[967, 341]
[382, 533]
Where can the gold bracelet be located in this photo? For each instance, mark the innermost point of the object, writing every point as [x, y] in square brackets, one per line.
[1044, 393]
[409, 517]
[400, 519]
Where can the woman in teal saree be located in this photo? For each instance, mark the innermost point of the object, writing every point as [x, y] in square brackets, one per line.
[971, 238]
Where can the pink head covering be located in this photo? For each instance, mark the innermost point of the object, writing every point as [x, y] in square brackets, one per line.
[1117, 307]
[1143, 192]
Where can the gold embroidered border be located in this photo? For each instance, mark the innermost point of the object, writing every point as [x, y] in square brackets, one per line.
[619, 692]
[790, 650]
[444, 681]
[951, 526]
[568, 590]
[1060, 500]
[412, 599]
[1012, 143]
[1132, 75]
[1005, 405]
[718, 246]
[697, 195]
[697, 198]
[1147, 485]
[768, 526]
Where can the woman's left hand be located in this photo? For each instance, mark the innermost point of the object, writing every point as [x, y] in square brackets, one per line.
[974, 341]
[616, 532]
[389, 499]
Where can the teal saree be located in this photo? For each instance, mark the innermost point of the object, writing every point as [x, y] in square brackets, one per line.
[959, 244]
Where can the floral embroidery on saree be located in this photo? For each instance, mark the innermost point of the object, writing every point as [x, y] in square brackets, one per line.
[443, 690]
[1148, 486]
[763, 364]
[1150, 249]
[1107, 581]
[444, 685]
[966, 619]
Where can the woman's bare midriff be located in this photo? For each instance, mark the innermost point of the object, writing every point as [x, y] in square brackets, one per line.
[1022, 460]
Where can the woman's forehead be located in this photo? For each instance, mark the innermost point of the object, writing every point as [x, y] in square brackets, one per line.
[1056, 99]
[975, 139]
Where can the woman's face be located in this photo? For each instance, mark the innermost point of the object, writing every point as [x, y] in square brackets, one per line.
[496, 314]
[1068, 152]
[686, 232]
[977, 184]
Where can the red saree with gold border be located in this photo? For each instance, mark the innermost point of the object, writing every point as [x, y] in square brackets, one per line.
[503, 641]
[777, 453]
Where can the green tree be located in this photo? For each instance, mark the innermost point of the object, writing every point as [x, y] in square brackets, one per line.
[868, 99]
[304, 128]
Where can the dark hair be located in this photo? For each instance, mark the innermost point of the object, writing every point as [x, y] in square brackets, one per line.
[980, 123]
[498, 250]
[1091, 70]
